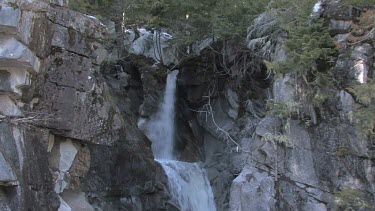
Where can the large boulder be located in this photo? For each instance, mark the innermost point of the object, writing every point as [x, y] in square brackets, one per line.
[79, 100]
[253, 189]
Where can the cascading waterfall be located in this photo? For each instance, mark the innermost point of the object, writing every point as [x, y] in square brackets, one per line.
[189, 187]
[160, 130]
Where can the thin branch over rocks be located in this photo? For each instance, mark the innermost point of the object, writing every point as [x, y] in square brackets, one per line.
[31, 118]
[207, 110]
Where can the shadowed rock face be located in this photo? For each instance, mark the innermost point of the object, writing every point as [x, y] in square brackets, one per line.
[7, 177]
[69, 137]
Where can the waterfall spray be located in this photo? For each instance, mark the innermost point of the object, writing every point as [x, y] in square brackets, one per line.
[188, 184]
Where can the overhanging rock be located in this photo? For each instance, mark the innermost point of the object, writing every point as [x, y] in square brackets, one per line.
[9, 17]
[15, 54]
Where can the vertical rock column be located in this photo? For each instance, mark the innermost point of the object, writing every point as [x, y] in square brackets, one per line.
[24, 177]
[17, 62]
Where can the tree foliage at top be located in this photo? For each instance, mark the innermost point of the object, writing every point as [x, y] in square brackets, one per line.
[191, 19]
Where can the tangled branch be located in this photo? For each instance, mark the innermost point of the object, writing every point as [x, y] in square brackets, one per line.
[31, 118]
[207, 110]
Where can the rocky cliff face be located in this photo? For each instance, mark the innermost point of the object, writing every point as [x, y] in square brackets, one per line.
[257, 161]
[71, 139]
[320, 164]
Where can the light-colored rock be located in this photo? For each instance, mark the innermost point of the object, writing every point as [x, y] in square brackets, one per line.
[284, 90]
[347, 103]
[361, 71]
[61, 158]
[362, 61]
[64, 206]
[7, 177]
[314, 205]
[9, 18]
[76, 201]
[68, 153]
[317, 10]
[268, 125]
[152, 45]
[61, 181]
[253, 189]
[8, 107]
[300, 163]
[15, 54]
[341, 37]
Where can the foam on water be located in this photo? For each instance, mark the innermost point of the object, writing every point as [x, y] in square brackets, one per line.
[188, 184]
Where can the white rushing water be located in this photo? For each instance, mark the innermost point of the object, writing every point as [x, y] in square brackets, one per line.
[160, 129]
[189, 187]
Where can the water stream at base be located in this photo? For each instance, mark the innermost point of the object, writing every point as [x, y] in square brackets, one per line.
[188, 183]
